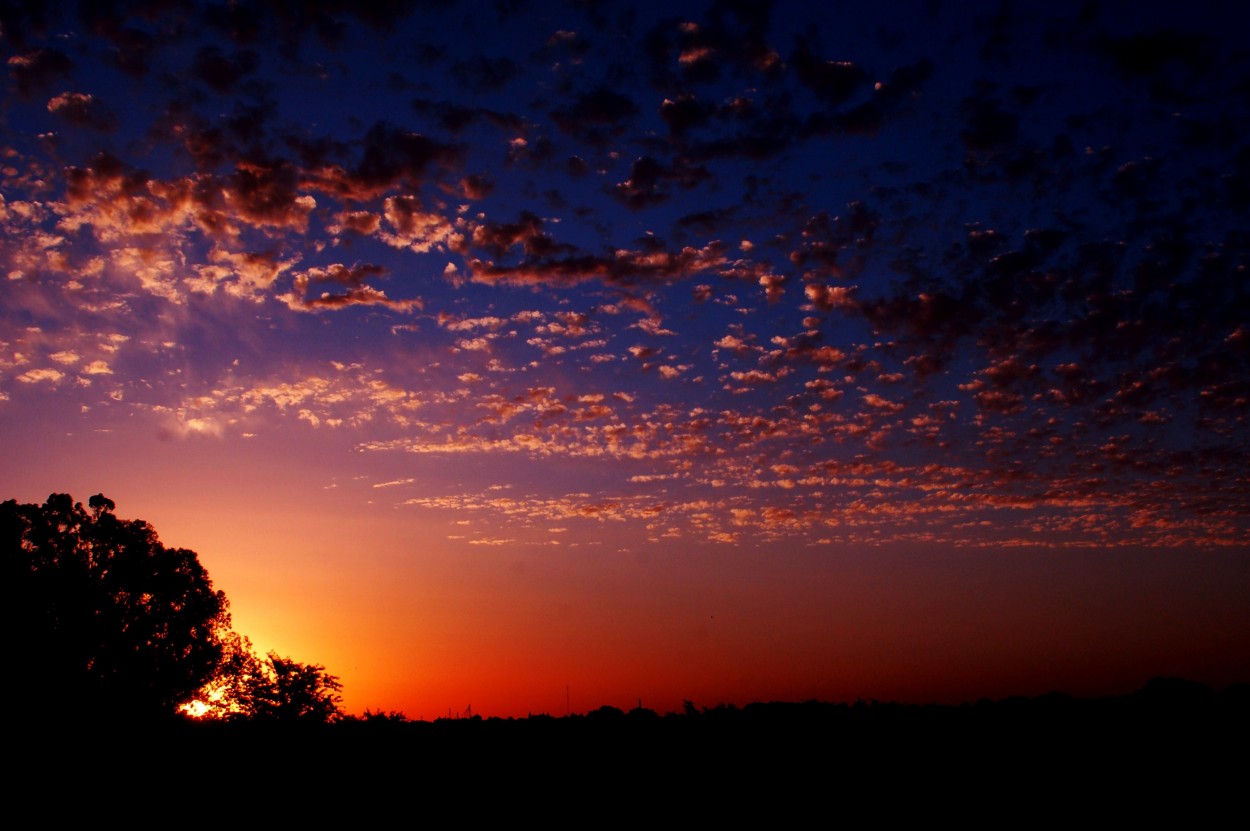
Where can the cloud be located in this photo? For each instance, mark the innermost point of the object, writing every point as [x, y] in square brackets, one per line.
[622, 267]
[390, 157]
[357, 294]
[266, 193]
[416, 229]
[648, 177]
[596, 116]
[83, 110]
[832, 81]
[97, 368]
[45, 375]
[39, 69]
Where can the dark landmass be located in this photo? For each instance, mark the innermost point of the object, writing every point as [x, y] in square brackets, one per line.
[1175, 747]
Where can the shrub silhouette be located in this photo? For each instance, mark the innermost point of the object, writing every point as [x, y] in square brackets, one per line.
[272, 689]
[290, 691]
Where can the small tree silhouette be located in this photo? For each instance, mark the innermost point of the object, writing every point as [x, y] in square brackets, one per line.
[286, 690]
[272, 688]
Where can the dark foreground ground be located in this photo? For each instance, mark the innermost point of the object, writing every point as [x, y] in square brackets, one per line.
[1174, 751]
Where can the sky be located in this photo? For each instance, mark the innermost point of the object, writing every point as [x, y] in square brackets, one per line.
[525, 357]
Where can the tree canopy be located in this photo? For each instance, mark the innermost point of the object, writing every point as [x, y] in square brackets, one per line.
[105, 621]
[101, 614]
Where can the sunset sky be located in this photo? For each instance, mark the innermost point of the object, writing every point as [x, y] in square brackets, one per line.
[717, 351]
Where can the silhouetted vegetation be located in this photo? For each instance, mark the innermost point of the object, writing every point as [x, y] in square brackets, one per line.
[1172, 748]
[109, 629]
[104, 623]
[103, 618]
[272, 688]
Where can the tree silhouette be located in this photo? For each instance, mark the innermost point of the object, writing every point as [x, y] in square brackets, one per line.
[103, 622]
[102, 619]
[287, 690]
[272, 688]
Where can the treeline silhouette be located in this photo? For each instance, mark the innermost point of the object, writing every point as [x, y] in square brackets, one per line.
[1172, 751]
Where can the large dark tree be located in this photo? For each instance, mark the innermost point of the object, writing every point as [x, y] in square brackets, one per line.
[102, 619]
